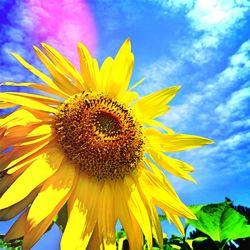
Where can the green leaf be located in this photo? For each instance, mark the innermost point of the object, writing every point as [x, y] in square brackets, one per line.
[220, 222]
[2, 244]
[162, 217]
[120, 234]
[200, 239]
[173, 246]
[168, 247]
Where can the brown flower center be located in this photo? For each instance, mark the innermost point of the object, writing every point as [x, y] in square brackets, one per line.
[100, 135]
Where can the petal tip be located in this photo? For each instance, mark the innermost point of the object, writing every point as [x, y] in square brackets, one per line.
[45, 45]
[128, 40]
[14, 54]
[178, 87]
[127, 44]
[80, 45]
[35, 48]
[209, 141]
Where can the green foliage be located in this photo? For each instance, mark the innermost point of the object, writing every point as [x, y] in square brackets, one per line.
[122, 243]
[12, 245]
[174, 243]
[220, 222]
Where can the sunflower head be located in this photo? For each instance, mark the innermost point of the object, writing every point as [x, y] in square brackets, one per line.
[89, 142]
[100, 135]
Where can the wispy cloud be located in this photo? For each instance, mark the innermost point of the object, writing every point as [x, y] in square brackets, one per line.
[212, 24]
[235, 107]
[213, 93]
[164, 72]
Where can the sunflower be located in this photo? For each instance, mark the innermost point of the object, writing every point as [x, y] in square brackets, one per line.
[89, 142]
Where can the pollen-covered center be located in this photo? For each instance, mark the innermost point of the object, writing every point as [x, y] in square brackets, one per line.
[100, 135]
[107, 122]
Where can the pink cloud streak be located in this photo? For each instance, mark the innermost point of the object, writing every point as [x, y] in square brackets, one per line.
[62, 24]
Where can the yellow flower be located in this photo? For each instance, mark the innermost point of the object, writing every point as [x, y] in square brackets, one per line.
[91, 143]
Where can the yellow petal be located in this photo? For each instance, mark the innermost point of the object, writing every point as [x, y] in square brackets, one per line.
[98, 243]
[89, 68]
[37, 133]
[156, 226]
[54, 193]
[177, 223]
[38, 97]
[5, 105]
[26, 100]
[38, 171]
[159, 174]
[61, 80]
[153, 215]
[109, 245]
[105, 74]
[121, 71]
[175, 142]
[154, 105]
[81, 207]
[6, 180]
[129, 97]
[173, 166]
[17, 229]
[10, 212]
[154, 123]
[23, 117]
[127, 219]
[161, 195]
[15, 136]
[64, 65]
[121, 242]
[94, 242]
[106, 212]
[32, 236]
[20, 135]
[25, 163]
[38, 73]
[28, 158]
[37, 86]
[137, 83]
[23, 153]
[137, 208]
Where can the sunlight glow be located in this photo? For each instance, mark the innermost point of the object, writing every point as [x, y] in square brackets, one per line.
[63, 24]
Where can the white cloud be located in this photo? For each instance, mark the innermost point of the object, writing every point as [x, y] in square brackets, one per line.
[216, 21]
[172, 5]
[159, 74]
[214, 15]
[229, 144]
[211, 93]
[236, 106]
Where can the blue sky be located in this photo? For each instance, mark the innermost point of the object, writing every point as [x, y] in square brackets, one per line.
[203, 46]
